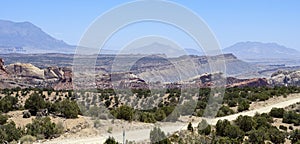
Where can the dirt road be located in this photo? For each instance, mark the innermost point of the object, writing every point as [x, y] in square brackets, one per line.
[143, 134]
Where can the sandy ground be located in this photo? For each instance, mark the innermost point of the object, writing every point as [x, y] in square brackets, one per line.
[140, 132]
[272, 100]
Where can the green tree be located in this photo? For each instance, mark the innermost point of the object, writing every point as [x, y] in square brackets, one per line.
[257, 136]
[34, 103]
[9, 132]
[291, 117]
[111, 140]
[245, 123]
[160, 115]
[125, 112]
[276, 136]
[44, 127]
[262, 121]
[295, 136]
[224, 110]
[234, 132]
[204, 128]
[243, 105]
[3, 119]
[220, 127]
[69, 108]
[8, 103]
[277, 112]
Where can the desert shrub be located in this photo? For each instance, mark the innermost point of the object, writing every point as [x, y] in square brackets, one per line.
[43, 127]
[243, 105]
[220, 127]
[3, 119]
[34, 103]
[204, 128]
[27, 139]
[295, 136]
[257, 136]
[224, 110]
[8, 103]
[245, 123]
[9, 132]
[234, 132]
[283, 127]
[111, 140]
[147, 117]
[53, 108]
[277, 112]
[232, 103]
[124, 112]
[225, 129]
[226, 140]
[276, 136]
[69, 108]
[291, 117]
[159, 115]
[262, 121]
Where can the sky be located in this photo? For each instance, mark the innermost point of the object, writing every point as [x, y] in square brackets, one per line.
[231, 21]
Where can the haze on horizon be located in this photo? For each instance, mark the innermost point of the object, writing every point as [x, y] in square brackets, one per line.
[231, 21]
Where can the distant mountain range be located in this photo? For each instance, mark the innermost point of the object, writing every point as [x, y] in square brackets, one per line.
[258, 50]
[25, 37]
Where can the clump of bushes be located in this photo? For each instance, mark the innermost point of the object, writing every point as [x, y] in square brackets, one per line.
[43, 128]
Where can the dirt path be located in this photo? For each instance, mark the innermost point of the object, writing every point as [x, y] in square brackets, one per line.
[143, 134]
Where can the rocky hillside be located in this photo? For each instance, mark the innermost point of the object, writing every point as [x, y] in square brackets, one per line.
[285, 78]
[149, 72]
[3, 73]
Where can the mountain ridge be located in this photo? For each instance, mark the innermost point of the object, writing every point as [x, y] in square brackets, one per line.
[259, 50]
[29, 38]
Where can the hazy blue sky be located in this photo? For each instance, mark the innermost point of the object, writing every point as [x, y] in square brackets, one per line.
[231, 20]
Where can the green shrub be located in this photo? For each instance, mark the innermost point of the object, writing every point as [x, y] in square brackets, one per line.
[291, 117]
[277, 112]
[220, 127]
[204, 128]
[3, 119]
[245, 123]
[8, 103]
[295, 136]
[43, 128]
[69, 108]
[257, 136]
[34, 103]
[283, 127]
[124, 112]
[9, 132]
[224, 110]
[159, 115]
[27, 139]
[111, 140]
[276, 136]
[243, 105]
